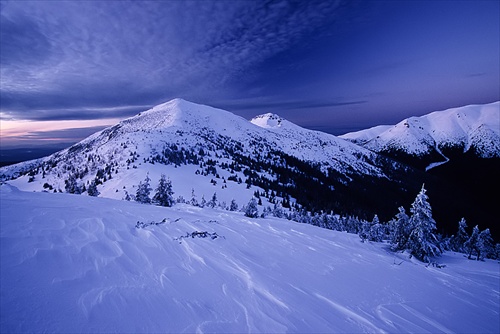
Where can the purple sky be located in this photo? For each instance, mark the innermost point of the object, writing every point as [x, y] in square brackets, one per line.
[335, 66]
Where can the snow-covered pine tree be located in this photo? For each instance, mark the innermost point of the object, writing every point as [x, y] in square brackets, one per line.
[377, 230]
[233, 206]
[471, 243]
[71, 185]
[364, 232]
[92, 190]
[203, 202]
[213, 201]
[251, 209]
[457, 242]
[422, 243]
[484, 245]
[266, 212]
[193, 201]
[164, 195]
[402, 230]
[278, 210]
[143, 191]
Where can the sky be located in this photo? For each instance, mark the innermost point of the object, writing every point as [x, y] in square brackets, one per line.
[69, 68]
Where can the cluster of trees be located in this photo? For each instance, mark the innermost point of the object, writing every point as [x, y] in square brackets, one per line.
[72, 186]
[479, 243]
[163, 196]
[415, 233]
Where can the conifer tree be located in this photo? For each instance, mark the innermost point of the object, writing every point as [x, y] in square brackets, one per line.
[402, 230]
[278, 210]
[164, 195]
[484, 244]
[92, 191]
[377, 231]
[193, 201]
[364, 232]
[422, 243]
[458, 241]
[471, 244]
[213, 202]
[71, 185]
[251, 209]
[233, 206]
[143, 191]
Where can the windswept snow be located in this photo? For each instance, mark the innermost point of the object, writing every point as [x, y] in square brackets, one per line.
[78, 264]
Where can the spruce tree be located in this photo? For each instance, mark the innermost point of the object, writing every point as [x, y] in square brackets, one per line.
[233, 206]
[164, 195]
[484, 244]
[458, 241]
[422, 243]
[143, 191]
[213, 201]
[193, 201]
[71, 185]
[251, 209]
[92, 191]
[278, 210]
[377, 230]
[364, 232]
[471, 244]
[402, 230]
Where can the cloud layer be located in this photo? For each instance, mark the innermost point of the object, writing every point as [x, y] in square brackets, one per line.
[109, 53]
[337, 63]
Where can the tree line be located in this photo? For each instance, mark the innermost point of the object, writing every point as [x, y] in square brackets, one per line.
[414, 233]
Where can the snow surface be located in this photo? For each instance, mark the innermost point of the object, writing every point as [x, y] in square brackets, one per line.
[475, 126]
[74, 263]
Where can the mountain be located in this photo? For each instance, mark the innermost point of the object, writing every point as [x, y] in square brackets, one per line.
[429, 140]
[79, 264]
[205, 150]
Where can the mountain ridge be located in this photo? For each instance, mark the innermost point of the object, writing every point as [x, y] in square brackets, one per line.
[473, 128]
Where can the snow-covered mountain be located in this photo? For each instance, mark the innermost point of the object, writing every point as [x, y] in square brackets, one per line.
[78, 264]
[471, 129]
[205, 150]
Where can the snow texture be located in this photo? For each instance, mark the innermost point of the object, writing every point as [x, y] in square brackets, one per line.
[83, 264]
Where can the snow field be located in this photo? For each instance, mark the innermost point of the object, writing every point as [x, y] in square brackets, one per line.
[74, 263]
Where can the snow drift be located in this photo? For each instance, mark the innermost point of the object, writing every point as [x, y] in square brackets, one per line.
[82, 264]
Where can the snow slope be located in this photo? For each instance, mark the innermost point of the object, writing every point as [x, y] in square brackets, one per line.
[474, 127]
[79, 264]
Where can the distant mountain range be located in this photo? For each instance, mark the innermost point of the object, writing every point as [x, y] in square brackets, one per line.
[430, 139]
[207, 151]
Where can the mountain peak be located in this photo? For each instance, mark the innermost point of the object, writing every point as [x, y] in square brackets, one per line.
[268, 121]
[179, 113]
